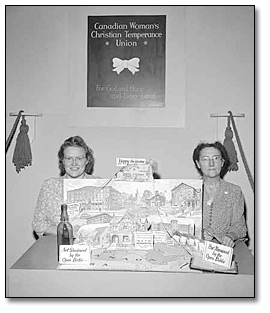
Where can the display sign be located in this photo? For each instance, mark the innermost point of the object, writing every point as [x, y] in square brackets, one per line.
[126, 61]
[130, 224]
[134, 170]
[100, 97]
[218, 254]
[160, 236]
[143, 241]
[129, 161]
[74, 254]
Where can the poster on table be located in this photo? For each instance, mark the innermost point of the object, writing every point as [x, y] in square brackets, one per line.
[136, 225]
[126, 61]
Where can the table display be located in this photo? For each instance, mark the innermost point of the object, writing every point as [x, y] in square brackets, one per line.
[134, 236]
[35, 274]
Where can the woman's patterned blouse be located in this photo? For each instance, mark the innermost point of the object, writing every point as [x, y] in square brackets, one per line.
[225, 215]
[48, 208]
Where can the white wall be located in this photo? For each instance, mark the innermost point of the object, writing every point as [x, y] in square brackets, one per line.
[219, 77]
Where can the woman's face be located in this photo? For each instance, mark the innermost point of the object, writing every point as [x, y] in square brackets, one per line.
[74, 162]
[210, 162]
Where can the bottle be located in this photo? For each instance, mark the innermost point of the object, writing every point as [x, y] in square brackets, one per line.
[64, 230]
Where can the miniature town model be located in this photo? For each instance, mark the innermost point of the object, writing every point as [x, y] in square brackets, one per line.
[137, 225]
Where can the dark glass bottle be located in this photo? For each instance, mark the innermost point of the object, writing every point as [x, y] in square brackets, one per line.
[64, 230]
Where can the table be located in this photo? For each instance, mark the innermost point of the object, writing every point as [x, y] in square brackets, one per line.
[35, 274]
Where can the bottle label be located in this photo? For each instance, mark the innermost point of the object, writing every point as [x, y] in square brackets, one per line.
[74, 254]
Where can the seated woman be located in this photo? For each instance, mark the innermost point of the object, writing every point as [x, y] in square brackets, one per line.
[223, 202]
[76, 160]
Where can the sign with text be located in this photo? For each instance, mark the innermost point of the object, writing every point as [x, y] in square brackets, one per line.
[218, 254]
[126, 61]
[129, 161]
[133, 169]
[159, 236]
[143, 241]
[74, 254]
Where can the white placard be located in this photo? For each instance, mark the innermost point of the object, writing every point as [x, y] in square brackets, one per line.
[74, 254]
[143, 241]
[218, 254]
[159, 236]
[129, 161]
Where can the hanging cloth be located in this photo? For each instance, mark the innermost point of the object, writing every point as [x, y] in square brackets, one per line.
[230, 148]
[251, 181]
[22, 156]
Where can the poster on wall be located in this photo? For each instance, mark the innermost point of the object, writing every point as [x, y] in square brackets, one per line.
[103, 92]
[126, 61]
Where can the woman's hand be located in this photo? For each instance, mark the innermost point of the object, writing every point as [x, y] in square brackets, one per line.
[206, 235]
[227, 241]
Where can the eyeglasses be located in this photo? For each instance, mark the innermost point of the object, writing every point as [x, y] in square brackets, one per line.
[215, 159]
[76, 160]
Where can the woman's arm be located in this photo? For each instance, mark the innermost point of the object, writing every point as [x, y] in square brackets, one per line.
[237, 229]
[40, 223]
[51, 230]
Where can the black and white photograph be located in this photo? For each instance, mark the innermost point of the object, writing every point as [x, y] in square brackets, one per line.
[130, 151]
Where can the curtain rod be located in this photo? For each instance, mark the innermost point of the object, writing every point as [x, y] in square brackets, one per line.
[227, 115]
[25, 114]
